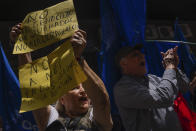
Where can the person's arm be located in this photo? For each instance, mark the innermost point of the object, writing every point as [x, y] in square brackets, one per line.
[14, 33]
[96, 91]
[131, 94]
[41, 115]
[183, 81]
[94, 86]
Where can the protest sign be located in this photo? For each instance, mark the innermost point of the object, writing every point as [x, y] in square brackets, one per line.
[45, 27]
[43, 81]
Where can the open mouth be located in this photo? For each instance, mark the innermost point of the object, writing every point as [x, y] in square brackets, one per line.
[83, 99]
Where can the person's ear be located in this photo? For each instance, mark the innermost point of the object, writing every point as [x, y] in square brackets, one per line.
[123, 62]
[61, 100]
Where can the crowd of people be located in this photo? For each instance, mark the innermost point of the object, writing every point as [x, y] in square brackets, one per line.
[145, 102]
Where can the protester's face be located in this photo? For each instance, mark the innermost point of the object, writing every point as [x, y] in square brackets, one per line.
[76, 101]
[134, 64]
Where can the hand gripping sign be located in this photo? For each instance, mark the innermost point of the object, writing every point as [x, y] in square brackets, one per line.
[45, 80]
[45, 27]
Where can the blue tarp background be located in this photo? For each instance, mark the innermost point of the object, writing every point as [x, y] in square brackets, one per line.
[123, 23]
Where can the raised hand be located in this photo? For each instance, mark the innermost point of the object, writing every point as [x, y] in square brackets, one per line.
[15, 32]
[170, 58]
[78, 41]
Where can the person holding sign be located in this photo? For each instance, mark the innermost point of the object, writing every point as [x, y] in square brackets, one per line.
[145, 101]
[85, 107]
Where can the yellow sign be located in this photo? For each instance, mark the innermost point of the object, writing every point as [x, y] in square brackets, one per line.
[45, 80]
[45, 27]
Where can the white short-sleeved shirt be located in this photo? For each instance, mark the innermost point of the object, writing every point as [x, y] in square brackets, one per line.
[54, 115]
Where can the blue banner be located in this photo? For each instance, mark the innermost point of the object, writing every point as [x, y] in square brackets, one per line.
[123, 23]
[10, 100]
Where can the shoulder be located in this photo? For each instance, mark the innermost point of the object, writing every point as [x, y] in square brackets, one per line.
[126, 86]
[54, 115]
[124, 81]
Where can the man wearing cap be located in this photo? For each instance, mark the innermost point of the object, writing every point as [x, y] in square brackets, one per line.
[145, 101]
